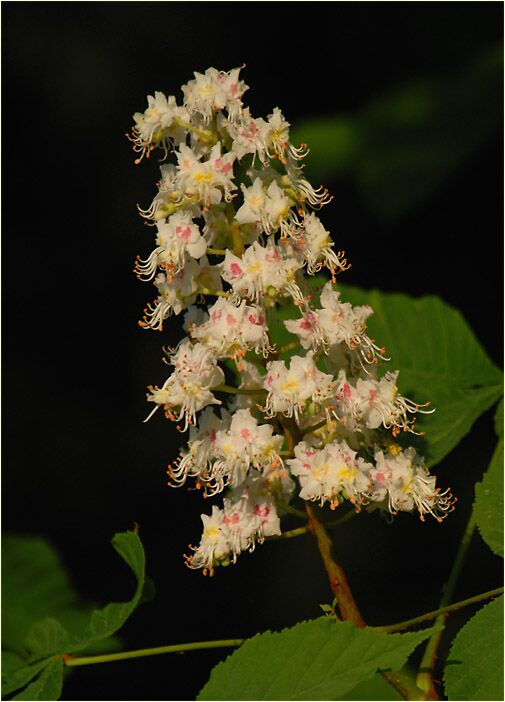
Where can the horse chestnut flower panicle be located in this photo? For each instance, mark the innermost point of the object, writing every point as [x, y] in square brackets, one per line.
[317, 424]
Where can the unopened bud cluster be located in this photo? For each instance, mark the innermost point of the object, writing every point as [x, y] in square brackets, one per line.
[236, 240]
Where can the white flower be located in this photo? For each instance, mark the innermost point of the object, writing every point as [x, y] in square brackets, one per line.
[176, 237]
[319, 247]
[369, 403]
[197, 459]
[253, 209]
[248, 137]
[261, 270]
[244, 445]
[157, 124]
[276, 135]
[331, 473]
[214, 90]
[341, 322]
[232, 330]
[206, 180]
[168, 197]
[188, 389]
[241, 525]
[262, 506]
[269, 209]
[337, 323]
[247, 517]
[233, 89]
[278, 209]
[176, 292]
[381, 403]
[307, 329]
[289, 390]
[347, 404]
[214, 546]
[402, 478]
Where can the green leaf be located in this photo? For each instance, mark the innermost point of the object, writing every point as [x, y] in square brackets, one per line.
[320, 659]
[488, 507]
[47, 686]
[11, 661]
[35, 584]
[20, 675]
[474, 668]
[374, 689]
[498, 420]
[46, 637]
[106, 621]
[439, 359]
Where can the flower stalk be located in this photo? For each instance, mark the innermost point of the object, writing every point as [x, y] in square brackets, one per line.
[336, 575]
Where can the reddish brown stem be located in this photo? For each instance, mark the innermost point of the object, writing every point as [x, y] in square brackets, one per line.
[401, 680]
[338, 580]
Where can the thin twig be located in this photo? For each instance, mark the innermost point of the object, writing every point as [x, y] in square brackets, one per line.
[442, 611]
[140, 653]
[314, 427]
[216, 252]
[291, 534]
[239, 391]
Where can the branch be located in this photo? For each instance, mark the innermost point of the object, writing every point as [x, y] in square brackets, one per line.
[338, 580]
[70, 660]
[391, 628]
[402, 680]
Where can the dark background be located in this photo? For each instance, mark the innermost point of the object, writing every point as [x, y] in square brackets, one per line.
[78, 464]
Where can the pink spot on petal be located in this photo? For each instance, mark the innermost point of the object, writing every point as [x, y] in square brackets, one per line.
[183, 232]
[236, 270]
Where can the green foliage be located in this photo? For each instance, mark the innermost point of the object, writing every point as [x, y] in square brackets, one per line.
[320, 659]
[17, 677]
[108, 620]
[403, 144]
[488, 508]
[375, 689]
[474, 669]
[45, 637]
[34, 586]
[44, 619]
[47, 686]
[439, 359]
